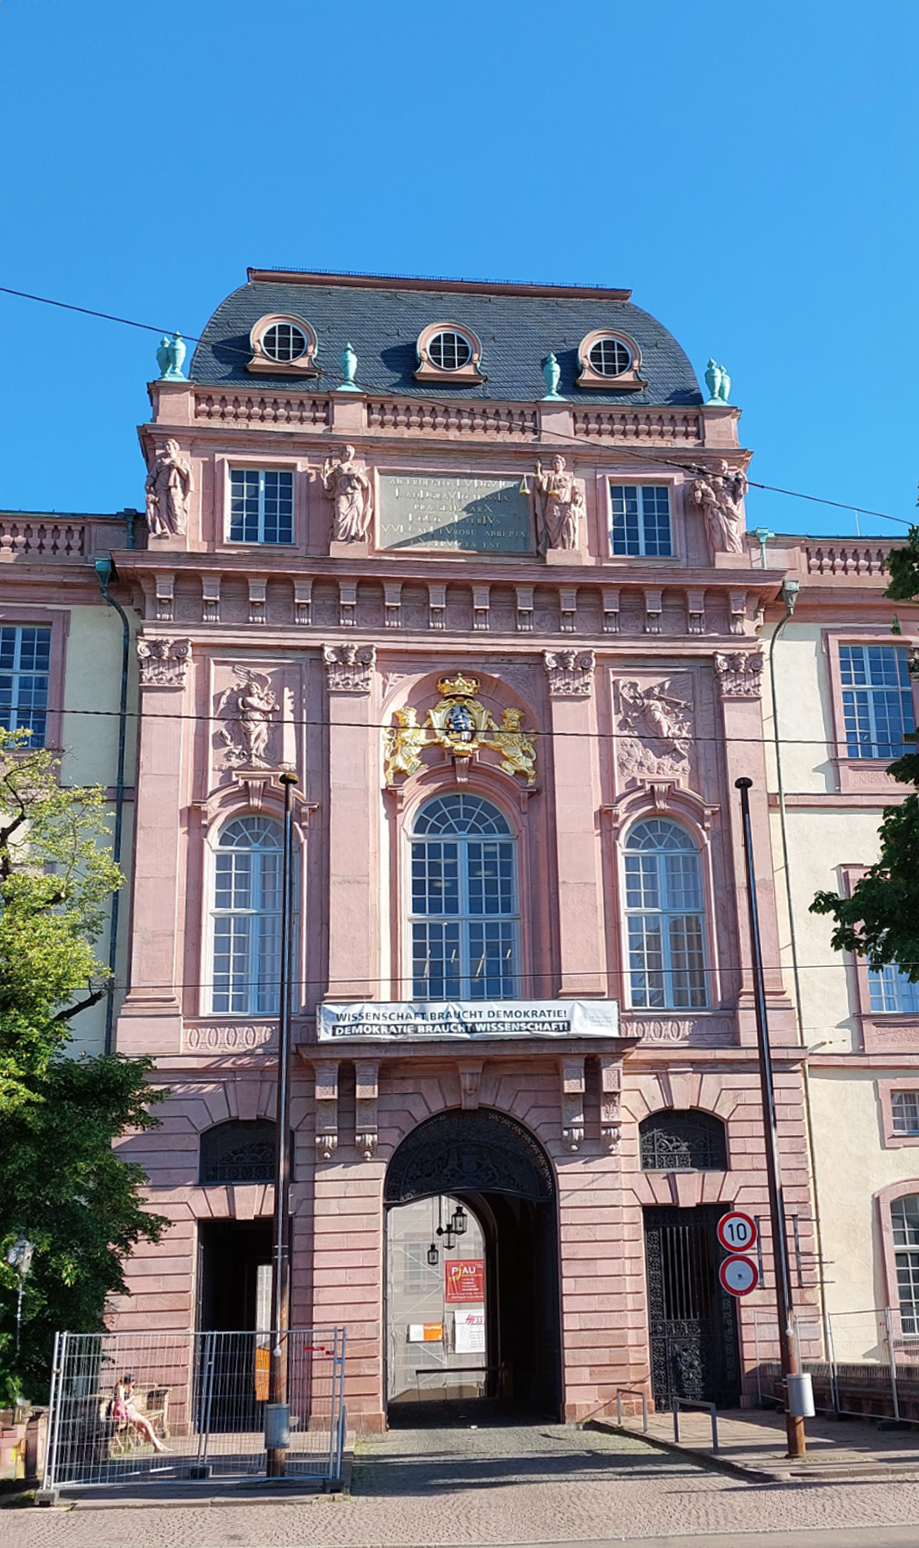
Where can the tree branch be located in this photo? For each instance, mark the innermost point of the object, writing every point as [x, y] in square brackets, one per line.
[74, 1010]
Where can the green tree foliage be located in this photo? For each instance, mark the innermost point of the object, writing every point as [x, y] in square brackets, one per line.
[61, 1184]
[880, 919]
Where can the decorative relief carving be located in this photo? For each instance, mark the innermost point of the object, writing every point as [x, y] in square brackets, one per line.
[707, 1031]
[570, 673]
[248, 709]
[349, 488]
[349, 667]
[461, 724]
[260, 1036]
[656, 725]
[163, 663]
[470, 1082]
[740, 673]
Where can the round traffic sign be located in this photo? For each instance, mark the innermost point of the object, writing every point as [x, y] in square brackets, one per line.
[737, 1231]
[738, 1275]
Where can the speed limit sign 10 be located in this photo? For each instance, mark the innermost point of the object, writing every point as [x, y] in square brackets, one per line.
[737, 1231]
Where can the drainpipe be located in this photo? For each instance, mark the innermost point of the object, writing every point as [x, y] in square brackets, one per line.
[105, 570]
[790, 589]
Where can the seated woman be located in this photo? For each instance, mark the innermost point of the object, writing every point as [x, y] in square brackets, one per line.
[125, 1411]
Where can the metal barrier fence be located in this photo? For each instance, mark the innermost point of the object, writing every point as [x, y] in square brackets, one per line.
[195, 1409]
[865, 1365]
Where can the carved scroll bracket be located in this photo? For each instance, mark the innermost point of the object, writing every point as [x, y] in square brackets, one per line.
[572, 1093]
[326, 1109]
[470, 1081]
[610, 1100]
[740, 673]
[349, 668]
[570, 673]
[367, 1088]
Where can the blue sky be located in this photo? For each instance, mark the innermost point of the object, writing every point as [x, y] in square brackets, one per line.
[749, 170]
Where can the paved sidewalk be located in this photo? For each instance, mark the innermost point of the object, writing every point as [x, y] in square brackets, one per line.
[537, 1484]
[753, 1443]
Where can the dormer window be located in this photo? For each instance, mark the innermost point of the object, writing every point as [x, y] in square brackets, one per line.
[609, 362]
[448, 352]
[282, 346]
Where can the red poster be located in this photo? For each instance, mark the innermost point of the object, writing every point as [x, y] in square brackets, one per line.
[464, 1279]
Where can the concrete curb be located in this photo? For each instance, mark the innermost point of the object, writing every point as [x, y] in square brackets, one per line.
[705, 1458]
[816, 1471]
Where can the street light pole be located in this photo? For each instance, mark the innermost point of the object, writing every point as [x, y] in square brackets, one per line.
[788, 1336]
[278, 1411]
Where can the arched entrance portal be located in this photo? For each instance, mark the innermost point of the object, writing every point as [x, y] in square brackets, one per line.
[490, 1165]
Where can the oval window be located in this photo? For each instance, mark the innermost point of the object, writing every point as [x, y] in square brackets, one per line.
[449, 351]
[284, 342]
[609, 357]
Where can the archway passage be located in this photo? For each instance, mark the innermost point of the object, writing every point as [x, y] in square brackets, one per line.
[488, 1164]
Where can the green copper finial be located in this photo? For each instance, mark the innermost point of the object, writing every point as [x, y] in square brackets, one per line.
[169, 358]
[348, 362]
[552, 374]
[718, 383]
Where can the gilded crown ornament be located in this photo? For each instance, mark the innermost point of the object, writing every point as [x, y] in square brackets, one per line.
[462, 725]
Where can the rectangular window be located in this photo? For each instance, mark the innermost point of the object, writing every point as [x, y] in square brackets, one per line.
[891, 990]
[25, 663]
[904, 1217]
[640, 518]
[904, 1112]
[261, 506]
[877, 700]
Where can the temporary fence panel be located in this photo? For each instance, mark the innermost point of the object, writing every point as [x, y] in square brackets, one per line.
[869, 1367]
[197, 1407]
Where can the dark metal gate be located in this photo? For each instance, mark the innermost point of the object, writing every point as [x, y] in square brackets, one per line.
[692, 1322]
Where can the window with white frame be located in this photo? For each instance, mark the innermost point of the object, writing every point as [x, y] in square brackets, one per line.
[877, 701]
[640, 519]
[464, 920]
[25, 664]
[261, 506]
[904, 1112]
[904, 1218]
[665, 920]
[889, 989]
[247, 918]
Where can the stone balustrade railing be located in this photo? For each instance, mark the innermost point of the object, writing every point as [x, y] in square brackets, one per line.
[41, 537]
[847, 559]
[647, 426]
[294, 411]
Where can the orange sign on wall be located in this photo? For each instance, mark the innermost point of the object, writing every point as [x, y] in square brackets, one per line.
[464, 1279]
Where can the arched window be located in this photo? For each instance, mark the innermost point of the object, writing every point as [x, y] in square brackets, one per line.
[664, 908]
[904, 1218]
[239, 1151]
[689, 1141]
[247, 918]
[464, 910]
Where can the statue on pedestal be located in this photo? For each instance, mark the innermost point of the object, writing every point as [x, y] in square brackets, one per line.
[720, 496]
[559, 505]
[169, 485]
[349, 488]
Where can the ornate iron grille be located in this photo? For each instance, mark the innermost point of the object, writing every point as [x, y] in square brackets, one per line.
[682, 1141]
[481, 1151]
[241, 1151]
[692, 1326]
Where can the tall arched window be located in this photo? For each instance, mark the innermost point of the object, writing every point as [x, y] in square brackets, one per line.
[465, 918]
[665, 922]
[904, 1218]
[247, 918]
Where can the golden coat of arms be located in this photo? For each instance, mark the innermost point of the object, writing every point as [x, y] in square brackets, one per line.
[462, 725]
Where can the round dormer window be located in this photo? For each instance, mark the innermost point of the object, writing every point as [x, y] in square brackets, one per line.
[449, 351]
[284, 342]
[609, 357]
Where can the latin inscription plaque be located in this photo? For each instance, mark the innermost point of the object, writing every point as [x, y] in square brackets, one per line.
[460, 515]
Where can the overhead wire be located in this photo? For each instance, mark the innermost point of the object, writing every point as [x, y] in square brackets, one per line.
[795, 494]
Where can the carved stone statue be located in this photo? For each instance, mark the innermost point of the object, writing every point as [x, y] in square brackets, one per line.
[348, 486]
[718, 383]
[560, 502]
[254, 704]
[720, 497]
[169, 485]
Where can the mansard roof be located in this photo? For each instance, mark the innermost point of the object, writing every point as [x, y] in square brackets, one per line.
[382, 317]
